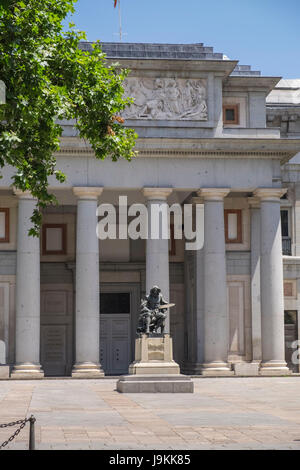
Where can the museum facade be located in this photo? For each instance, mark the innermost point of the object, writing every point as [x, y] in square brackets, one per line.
[212, 134]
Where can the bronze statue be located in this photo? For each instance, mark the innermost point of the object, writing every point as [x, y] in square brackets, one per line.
[153, 312]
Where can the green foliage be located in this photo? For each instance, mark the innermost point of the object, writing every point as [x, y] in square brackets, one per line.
[49, 78]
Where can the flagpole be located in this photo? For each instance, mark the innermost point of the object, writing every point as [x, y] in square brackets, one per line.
[120, 22]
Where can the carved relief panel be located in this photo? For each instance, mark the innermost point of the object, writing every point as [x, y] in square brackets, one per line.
[166, 98]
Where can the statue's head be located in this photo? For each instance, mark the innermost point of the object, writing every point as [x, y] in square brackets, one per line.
[155, 291]
[158, 83]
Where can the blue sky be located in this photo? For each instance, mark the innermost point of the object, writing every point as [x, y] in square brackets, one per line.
[261, 33]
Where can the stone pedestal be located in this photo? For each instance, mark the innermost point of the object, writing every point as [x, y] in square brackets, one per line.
[153, 355]
[154, 369]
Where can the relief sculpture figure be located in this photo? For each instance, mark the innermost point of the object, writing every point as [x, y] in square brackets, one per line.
[166, 98]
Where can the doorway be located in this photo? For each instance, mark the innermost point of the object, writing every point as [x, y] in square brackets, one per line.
[56, 329]
[118, 315]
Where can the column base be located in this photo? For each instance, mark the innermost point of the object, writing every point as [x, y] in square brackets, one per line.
[246, 369]
[4, 371]
[87, 370]
[192, 368]
[27, 371]
[274, 368]
[216, 369]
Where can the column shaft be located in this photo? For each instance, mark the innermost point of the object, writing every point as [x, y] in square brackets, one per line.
[272, 306]
[87, 285]
[255, 279]
[157, 250]
[27, 294]
[194, 298]
[216, 324]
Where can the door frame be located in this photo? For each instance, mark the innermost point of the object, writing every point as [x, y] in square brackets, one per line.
[244, 352]
[134, 289]
[61, 322]
[111, 317]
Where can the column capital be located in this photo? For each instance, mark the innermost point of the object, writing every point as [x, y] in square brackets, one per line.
[196, 200]
[87, 192]
[213, 194]
[23, 194]
[254, 202]
[269, 194]
[157, 193]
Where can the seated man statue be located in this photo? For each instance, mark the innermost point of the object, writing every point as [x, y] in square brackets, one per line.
[152, 316]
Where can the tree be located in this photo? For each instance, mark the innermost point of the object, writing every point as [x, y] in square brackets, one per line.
[48, 77]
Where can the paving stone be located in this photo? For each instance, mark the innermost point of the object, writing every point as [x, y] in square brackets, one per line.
[224, 413]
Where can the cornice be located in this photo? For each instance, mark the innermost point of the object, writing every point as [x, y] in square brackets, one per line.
[278, 149]
[144, 66]
[250, 81]
[77, 152]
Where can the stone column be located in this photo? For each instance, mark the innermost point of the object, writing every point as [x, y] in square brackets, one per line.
[194, 296]
[254, 204]
[87, 319]
[199, 301]
[271, 271]
[27, 293]
[157, 250]
[216, 324]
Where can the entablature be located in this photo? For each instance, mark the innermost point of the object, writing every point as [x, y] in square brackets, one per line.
[242, 148]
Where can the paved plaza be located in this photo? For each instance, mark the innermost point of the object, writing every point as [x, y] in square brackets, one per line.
[223, 413]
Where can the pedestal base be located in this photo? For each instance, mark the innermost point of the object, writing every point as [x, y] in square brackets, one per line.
[273, 368]
[87, 370]
[27, 371]
[155, 384]
[154, 368]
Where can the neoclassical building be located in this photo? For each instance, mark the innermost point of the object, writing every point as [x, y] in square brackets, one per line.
[212, 133]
